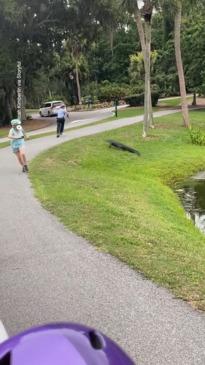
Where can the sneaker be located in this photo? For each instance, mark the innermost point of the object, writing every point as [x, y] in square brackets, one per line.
[58, 136]
[26, 168]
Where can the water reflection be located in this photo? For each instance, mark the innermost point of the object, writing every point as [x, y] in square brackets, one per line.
[192, 195]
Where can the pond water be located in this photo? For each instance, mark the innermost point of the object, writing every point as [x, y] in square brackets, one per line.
[192, 195]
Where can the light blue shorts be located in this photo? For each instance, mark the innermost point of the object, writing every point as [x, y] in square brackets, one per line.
[17, 145]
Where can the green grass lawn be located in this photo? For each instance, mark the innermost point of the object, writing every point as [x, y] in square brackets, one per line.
[173, 102]
[29, 111]
[4, 144]
[3, 132]
[127, 113]
[125, 205]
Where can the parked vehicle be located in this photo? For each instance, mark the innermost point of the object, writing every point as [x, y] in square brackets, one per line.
[50, 108]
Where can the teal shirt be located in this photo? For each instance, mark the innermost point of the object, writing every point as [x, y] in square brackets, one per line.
[17, 143]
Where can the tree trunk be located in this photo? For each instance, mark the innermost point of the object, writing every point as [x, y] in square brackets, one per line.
[147, 64]
[50, 94]
[147, 88]
[8, 107]
[112, 41]
[140, 29]
[145, 40]
[194, 98]
[78, 83]
[23, 99]
[151, 118]
[180, 70]
[148, 40]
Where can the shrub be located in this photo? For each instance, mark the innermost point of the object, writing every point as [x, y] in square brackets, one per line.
[155, 98]
[135, 100]
[109, 92]
[138, 99]
[136, 89]
[197, 136]
[88, 99]
[201, 90]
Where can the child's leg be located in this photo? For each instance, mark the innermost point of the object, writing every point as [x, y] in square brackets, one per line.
[23, 156]
[19, 157]
[20, 154]
[23, 159]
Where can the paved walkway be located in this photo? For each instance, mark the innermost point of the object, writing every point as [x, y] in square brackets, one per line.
[49, 274]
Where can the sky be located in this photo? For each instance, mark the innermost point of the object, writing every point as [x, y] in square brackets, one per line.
[140, 3]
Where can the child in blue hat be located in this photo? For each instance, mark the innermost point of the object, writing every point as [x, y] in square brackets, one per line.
[17, 135]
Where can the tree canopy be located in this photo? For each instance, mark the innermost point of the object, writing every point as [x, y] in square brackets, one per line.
[72, 49]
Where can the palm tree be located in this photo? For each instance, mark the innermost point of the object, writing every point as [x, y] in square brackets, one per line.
[75, 47]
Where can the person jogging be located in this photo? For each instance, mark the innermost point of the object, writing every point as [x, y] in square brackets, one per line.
[61, 120]
[17, 137]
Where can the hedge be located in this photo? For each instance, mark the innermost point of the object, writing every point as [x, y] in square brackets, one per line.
[138, 99]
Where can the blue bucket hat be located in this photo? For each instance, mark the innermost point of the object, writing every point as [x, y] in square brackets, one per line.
[15, 122]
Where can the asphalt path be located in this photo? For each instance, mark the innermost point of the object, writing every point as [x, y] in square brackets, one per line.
[49, 274]
[75, 119]
[82, 117]
[85, 114]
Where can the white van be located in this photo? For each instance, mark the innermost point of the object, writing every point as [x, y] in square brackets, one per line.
[50, 108]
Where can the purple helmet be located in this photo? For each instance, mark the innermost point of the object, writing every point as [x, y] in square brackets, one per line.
[62, 344]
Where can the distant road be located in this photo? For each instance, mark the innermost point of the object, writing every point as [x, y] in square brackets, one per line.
[97, 114]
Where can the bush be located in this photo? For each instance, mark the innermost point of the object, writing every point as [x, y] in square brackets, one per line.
[109, 92]
[136, 89]
[88, 99]
[135, 100]
[138, 99]
[197, 136]
[155, 98]
[201, 90]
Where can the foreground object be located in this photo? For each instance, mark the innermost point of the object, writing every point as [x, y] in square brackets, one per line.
[62, 344]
